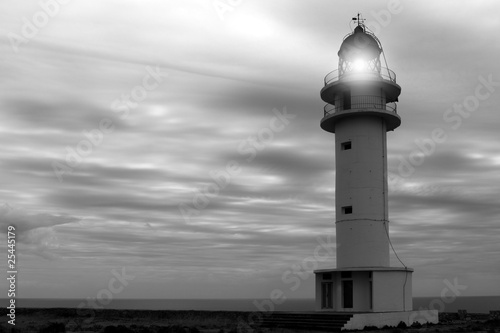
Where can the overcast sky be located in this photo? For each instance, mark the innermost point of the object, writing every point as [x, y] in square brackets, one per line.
[177, 93]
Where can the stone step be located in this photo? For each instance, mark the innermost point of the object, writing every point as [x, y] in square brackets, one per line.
[301, 324]
[307, 321]
[309, 315]
[306, 327]
[334, 321]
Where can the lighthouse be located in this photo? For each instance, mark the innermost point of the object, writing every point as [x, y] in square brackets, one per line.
[361, 96]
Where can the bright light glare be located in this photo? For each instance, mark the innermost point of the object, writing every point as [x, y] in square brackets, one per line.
[359, 65]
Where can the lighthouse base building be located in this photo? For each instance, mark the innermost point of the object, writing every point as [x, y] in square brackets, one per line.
[360, 289]
[376, 296]
[361, 98]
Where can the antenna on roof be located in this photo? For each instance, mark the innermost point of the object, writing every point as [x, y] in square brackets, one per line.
[359, 19]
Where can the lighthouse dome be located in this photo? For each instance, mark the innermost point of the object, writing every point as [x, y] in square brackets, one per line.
[359, 45]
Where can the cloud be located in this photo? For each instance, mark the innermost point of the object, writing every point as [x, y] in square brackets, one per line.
[222, 80]
[34, 232]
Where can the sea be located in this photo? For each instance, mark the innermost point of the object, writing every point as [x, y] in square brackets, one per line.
[473, 304]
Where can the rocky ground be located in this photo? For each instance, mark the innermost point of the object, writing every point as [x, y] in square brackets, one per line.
[136, 321]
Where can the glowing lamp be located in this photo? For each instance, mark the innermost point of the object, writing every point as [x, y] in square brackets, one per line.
[359, 65]
[360, 53]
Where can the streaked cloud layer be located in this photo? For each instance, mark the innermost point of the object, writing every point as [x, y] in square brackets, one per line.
[211, 108]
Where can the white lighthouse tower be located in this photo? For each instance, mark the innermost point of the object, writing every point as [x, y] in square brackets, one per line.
[361, 96]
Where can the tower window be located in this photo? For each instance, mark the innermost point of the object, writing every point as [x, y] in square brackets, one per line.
[346, 145]
[347, 210]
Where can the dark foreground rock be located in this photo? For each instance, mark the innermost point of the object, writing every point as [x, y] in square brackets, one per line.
[166, 321]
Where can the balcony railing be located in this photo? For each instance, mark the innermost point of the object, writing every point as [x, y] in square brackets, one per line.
[360, 103]
[385, 74]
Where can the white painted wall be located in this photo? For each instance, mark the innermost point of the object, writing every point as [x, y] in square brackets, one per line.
[388, 289]
[361, 182]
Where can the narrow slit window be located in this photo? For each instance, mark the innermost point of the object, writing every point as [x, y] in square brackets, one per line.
[346, 145]
[347, 210]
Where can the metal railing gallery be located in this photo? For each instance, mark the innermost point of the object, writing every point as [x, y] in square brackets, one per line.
[360, 103]
[385, 74]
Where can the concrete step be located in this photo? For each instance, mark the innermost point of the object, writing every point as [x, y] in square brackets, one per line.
[331, 322]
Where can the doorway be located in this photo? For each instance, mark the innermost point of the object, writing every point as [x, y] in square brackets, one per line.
[327, 295]
[347, 294]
